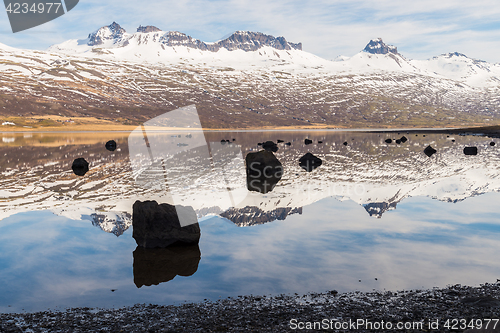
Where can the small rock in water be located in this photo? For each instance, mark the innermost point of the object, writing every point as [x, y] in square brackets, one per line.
[307, 141]
[270, 146]
[223, 141]
[259, 144]
[320, 141]
[388, 140]
[398, 141]
[309, 162]
[288, 144]
[279, 141]
[403, 139]
[345, 143]
[470, 150]
[453, 140]
[80, 166]
[429, 151]
[492, 143]
[111, 145]
[234, 139]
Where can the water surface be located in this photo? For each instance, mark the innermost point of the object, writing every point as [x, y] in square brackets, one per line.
[372, 216]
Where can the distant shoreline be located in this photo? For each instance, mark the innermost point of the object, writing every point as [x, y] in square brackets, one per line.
[6, 129]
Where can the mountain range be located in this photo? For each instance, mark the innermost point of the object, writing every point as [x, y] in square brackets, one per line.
[248, 80]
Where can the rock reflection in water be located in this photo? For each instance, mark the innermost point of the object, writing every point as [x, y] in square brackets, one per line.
[154, 266]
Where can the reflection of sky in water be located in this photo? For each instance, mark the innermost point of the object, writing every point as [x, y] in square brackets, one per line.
[48, 261]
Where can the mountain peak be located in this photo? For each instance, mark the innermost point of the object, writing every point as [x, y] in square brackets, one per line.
[111, 32]
[252, 41]
[148, 28]
[377, 46]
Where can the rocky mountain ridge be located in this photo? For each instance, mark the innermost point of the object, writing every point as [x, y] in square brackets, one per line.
[116, 36]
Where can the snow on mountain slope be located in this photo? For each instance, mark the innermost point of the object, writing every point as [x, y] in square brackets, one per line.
[457, 66]
[246, 80]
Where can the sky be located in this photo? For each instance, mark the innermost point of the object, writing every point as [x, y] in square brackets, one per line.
[420, 29]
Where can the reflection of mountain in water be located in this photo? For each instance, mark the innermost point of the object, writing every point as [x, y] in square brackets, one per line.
[115, 223]
[376, 209]
[368, 171]
[247, 216]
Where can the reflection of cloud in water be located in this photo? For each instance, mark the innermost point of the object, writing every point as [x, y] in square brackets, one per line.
[50, 261]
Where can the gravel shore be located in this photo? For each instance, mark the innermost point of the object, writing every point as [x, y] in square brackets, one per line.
[461, 306]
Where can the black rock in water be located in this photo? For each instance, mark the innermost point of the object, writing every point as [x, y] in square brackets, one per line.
[259, 144]
[270, 146]
[429, 151]
[279, 141]
[111, 145]
[492, 143]
[80, 166]
[264, 171]
[388, 140]
[398, 141]
[234, 139]
[345, 143]
[470, 150]
[223, 142]
[320, 141]
[154, 266]
[309, 162]
[403, 139]
[288, 144]
[453, 140]
[307, 141]
[159, 225]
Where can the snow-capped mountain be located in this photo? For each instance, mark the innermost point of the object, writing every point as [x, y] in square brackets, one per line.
[151, 44]
[246, 80]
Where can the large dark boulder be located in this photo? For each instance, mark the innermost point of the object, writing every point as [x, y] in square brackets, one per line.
[154, 266]
[264, 171]
[270, 146]
[309, 162]
[159, 225]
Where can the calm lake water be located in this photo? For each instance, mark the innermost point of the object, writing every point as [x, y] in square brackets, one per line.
[373, 215]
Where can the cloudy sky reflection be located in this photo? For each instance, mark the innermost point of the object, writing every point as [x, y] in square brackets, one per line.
[48, 261]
